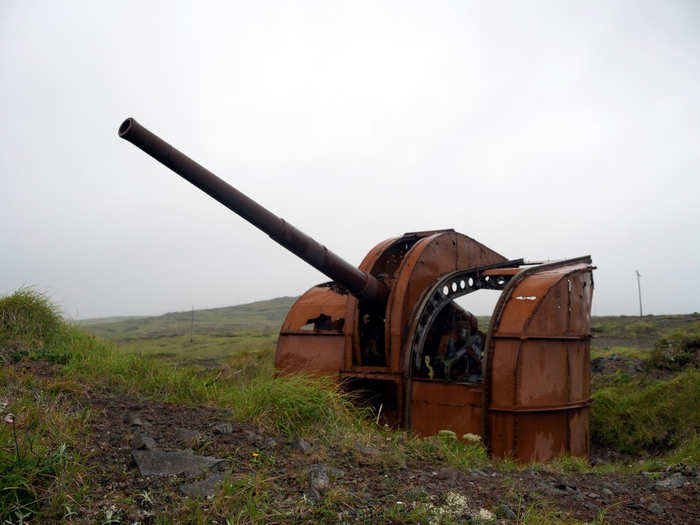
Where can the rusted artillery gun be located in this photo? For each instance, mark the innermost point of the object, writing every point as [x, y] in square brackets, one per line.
[392, 331]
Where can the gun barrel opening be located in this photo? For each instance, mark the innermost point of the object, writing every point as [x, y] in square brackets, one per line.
[125, 127]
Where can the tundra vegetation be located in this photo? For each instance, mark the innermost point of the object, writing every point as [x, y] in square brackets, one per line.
[67, 389]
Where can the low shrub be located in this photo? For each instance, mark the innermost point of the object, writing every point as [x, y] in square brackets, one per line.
[647, 416]
[676, 349]
[688, 452]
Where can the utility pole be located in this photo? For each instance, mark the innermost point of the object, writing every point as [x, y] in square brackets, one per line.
[639, 289]
[192, 323]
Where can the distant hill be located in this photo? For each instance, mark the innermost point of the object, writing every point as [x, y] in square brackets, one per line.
[258, 316]
[267, 316]
[106, 320]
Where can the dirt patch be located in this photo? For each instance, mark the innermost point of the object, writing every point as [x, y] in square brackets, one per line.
[38, 367]
[603, 341]
[15, 355]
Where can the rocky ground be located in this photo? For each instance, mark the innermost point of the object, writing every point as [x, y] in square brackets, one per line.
[144, 456]
[144, 453]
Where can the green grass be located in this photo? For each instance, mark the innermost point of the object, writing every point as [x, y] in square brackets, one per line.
[27, 317]
[622, 351]
[209, 351]
[647, 416]
[38, 459]
[286, 405]
[455, 453]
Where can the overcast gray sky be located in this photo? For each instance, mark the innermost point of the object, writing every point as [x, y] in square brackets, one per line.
[541, 129]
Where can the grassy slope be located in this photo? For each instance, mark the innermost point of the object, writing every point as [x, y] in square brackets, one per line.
[107, 320]
[208, 351]
[266, 316]
[639, 332]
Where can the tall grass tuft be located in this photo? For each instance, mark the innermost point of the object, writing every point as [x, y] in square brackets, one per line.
[28, 318]
[295, 404]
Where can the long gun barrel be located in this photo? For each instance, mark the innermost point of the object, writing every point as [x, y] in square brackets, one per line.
[359, 283]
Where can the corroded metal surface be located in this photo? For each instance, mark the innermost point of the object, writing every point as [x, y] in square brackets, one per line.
[391, 330]
[436, 405]
[537, 387]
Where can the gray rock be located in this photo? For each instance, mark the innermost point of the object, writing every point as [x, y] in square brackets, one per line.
[205, 488]
[223, 428]
[367, 451]
[593, 495]
[224, 466]
[555, 490]
[335, 472]
[505, 511]
[318, 478]
[686, 470]
[477, 472]
[655, 508]
[186, 435]
[607, 492]
[270, 443]
[447, 473]
[301, 445]
[254, 438]
[134, 419]
[597, 364]
[672, 482]
[144, 442]
[156, 463]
